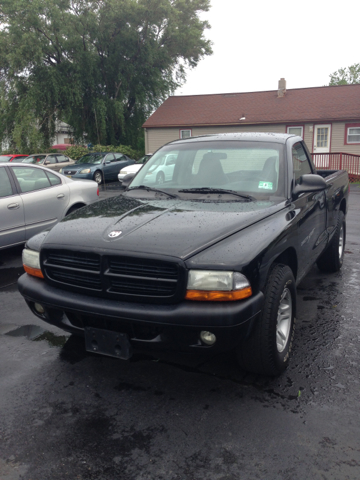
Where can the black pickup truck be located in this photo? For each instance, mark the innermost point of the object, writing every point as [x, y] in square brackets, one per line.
[201, 252]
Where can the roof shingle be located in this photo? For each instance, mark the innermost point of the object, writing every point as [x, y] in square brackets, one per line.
[314, 104]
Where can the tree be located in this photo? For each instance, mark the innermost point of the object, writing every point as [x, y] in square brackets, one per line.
[100, 65]
[346, 76]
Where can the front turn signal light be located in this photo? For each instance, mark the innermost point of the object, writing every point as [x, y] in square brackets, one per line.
[218, 296]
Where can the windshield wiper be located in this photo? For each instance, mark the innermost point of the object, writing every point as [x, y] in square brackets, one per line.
[217, 190]
[150, 189]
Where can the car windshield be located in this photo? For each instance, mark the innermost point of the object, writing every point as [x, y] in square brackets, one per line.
[5, 158]
[38, 159]
[94, 158]
[209, 167]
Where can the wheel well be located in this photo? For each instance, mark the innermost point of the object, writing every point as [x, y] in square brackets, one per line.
[343, 206]
[289, 258]
[74, 207]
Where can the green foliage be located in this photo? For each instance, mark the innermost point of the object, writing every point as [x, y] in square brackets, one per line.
[346, 76]
[130, 152]
[77, 151]
[101, 67]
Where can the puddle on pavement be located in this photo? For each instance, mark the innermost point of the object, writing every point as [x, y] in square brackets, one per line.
[36, 333]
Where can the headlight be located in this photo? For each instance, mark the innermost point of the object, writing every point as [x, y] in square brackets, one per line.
[61, 170]
[219, 286]
[31, 262]
[86, 170]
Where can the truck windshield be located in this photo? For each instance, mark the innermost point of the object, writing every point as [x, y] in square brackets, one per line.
[256, 168]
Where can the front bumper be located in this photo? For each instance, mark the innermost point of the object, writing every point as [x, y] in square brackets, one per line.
[149, 327]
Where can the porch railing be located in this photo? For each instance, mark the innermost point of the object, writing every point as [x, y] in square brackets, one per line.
[339, 161]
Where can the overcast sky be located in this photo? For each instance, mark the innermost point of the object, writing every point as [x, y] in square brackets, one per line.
[256, 42]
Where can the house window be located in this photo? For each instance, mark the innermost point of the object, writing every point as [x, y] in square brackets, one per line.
[185, 133]
[352, 133]
[296, 130]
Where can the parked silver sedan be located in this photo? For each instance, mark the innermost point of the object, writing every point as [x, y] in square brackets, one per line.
[55, 161]
[34, 198]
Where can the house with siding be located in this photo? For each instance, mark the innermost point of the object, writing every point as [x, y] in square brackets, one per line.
[327, 118]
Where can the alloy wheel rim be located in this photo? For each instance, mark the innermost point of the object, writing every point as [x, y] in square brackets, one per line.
[284, 318]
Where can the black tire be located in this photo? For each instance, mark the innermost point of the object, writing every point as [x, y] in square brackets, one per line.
[98, 177]
[160, 178]
[332, 258]
[73, 209]
[268, 347]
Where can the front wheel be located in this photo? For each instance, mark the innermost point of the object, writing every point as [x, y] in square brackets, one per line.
[268, 347]
[98, 177]
[332, 258]
[160, 178]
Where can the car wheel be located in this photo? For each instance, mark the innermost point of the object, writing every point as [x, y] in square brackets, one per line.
[160, 178]
[332, 258]
[98, 177]
[73, 209]
[266, 351]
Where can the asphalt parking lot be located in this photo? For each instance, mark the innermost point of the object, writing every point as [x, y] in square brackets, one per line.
[66, 413]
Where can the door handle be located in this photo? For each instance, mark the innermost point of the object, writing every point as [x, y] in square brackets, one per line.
[13, 206]
[61, 195]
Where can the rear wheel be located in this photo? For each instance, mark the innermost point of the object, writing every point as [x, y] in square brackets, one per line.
[268, 348]
[73, 209]
[332, 258]
[98, 177]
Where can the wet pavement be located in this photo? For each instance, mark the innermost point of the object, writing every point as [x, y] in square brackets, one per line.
[66, 413]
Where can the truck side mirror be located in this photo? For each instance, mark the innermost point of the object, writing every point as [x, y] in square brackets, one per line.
[309, 183]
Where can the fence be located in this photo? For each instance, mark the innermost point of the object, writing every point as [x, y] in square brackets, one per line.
[339, 161]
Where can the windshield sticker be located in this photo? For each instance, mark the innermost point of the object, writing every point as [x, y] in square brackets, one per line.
[266, 185]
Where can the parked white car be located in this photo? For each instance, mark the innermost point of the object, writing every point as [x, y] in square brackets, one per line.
[34, 198]
[134, 168]
[161, 170]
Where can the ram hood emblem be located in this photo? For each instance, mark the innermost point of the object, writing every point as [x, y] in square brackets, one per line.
[114, 233]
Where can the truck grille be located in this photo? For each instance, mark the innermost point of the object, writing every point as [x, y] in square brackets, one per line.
[111, 276]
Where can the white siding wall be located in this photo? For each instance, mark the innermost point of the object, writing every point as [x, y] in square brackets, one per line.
[338, 140]
[157, 137]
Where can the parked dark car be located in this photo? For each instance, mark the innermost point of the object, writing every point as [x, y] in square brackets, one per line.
[207, 260]
[98, 166]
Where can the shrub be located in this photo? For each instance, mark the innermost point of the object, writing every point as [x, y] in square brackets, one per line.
[129, 151]
[77, 151]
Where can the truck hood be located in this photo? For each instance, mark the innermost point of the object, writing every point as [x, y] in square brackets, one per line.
[174, 228]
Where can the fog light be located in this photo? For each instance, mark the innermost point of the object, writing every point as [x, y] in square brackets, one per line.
[207, 337]
[39, 308]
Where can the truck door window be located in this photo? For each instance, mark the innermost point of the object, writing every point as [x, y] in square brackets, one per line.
[301, 163]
